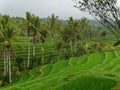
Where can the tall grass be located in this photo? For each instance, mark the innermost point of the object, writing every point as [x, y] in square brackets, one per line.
[88, 83]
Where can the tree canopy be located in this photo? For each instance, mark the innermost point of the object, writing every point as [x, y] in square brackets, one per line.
[105, 11]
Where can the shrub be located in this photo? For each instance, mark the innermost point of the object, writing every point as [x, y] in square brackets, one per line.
[19, 62]
[81, 51]
[35, 61]
[1, 83]
[15, 73]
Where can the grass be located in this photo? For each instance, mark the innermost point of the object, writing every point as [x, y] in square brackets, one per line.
[80, 73]
[88, 83]
[46, 69]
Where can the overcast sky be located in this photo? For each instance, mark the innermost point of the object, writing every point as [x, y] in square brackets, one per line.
[42, 8]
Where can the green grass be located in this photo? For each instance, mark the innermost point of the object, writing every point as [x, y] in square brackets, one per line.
[88, 83]
[80, 73]
[46, 69]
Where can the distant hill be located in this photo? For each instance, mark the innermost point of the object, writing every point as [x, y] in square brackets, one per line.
[95, 23]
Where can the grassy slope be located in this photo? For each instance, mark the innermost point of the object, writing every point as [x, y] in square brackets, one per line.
[104, 66]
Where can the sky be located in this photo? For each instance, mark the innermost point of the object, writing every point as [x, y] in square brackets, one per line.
[42, 8]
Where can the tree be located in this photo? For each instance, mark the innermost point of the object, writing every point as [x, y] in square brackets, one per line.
[104, 33]
[44, 33]
[29, 28]
[74, 26]
[86, 31]
[86, 28]
[36, 23]
[52, 20]
[66, 35]
[52, 24]
[105, 11]
[36, 26]
[7, 34]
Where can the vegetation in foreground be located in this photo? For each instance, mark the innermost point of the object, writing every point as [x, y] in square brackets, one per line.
[85, 70]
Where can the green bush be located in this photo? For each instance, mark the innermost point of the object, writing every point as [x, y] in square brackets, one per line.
[15, 73]
[19, 63]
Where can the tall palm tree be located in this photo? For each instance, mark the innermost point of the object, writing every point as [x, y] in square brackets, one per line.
[7, 34]
[74, 27]
[35, 33]
[36, 27]
[43, 35]
[29, 28]
[4, 23]
[86, 30]
[52, 26]
[66, 35]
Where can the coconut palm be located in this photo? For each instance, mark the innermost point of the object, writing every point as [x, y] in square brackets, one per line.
[29, 28]
[66, 35]
[8, 33]
[36, 27]
[43, 35]
[86, 30]
[4, 23]
[74, 27]
[52, 26]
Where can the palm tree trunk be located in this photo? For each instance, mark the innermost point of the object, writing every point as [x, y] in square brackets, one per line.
[7, 57]
[52, 48]
[66, 51]
[33, 50]
[75, 49]
[71, 48]
[5, 73]
[75, 45]
[10, 76]
[28, 62]
[52, 45]
[42, 60]
[42, 51]
[58, 58]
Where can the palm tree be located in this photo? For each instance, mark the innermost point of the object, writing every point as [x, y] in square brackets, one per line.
[66, 35]
[36, 23]
[4, 23]
[71, 28]
[74, 27]
[86, 30]
[8, 33]
[44, 33]
[52, 26]
[29, 28]
[36, 26]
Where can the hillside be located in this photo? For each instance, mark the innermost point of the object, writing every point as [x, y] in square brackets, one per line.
[98, 71]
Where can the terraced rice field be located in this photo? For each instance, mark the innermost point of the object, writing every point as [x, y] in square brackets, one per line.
[98, 71]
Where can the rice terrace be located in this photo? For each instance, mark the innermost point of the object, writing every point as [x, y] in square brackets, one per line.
[60, 45]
